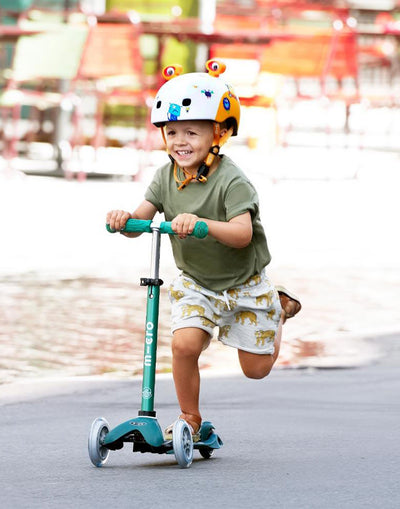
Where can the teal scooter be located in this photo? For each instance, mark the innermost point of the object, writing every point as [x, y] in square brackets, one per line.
[144, 431]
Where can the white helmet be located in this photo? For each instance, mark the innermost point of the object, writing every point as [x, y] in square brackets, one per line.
[196, 96]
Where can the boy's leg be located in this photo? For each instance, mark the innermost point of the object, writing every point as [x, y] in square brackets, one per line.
[259, 366]
[187, 345]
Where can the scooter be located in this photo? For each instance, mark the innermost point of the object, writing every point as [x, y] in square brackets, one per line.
[144, 431]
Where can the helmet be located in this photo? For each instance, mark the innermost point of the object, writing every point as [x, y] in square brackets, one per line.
[196, 96]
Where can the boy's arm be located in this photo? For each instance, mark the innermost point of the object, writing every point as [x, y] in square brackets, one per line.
[235, 233]
[118, 218]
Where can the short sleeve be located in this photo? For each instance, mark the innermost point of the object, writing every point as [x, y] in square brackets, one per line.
[240, 198]
[153, 193]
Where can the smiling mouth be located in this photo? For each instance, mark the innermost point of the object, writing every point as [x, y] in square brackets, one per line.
[184, 152]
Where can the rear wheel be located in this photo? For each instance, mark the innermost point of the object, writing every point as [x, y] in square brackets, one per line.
[206, 452]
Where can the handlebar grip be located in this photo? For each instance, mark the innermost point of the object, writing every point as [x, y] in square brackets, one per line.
[200, 229]
[144, 226]
[134, 226]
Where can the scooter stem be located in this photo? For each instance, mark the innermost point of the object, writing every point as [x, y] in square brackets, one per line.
[155, 252]
[151, 329]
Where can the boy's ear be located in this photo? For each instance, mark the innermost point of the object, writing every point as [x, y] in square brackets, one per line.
[223, 128]
[223, 131]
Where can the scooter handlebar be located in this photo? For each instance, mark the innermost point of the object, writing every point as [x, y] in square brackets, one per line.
[144, 226]
[200, 229]
[134, 226]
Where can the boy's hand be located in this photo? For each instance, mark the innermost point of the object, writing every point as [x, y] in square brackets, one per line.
[117, 219]
[183, 224]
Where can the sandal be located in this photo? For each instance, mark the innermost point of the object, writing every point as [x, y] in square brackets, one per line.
[194, 423]
[290, 303]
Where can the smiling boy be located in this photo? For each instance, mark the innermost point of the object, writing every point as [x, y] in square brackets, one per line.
[223, 282]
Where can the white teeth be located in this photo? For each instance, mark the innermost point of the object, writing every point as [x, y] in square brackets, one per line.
[183, 152]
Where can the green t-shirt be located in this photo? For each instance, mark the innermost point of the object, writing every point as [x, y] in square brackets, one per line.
[226, 194]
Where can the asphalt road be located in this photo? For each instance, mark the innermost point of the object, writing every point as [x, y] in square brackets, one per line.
[298, 439]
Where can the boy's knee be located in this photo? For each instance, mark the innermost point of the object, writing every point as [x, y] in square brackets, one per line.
[256, 373]
[182, 347]
[255, 366]
[179, 347]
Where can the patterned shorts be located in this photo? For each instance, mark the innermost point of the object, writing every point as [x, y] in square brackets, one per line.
[247, 315]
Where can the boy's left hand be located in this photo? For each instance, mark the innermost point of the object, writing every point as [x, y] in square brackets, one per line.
[183, 224]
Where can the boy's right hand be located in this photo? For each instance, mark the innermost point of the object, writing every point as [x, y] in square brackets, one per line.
[117, 219]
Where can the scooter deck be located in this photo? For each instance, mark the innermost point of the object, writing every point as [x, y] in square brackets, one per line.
[146, 436]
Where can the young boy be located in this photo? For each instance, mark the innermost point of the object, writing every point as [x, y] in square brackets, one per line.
[223, 281]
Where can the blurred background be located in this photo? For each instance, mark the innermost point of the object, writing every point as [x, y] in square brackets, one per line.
[319, 84]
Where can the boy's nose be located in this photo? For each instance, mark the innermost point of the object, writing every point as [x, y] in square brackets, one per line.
[180, 139]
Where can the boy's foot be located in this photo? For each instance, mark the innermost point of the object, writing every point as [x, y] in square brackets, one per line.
[194, 423]
[290, 303]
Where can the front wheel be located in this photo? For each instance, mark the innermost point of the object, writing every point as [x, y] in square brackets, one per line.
[98, 453]
[182, 443]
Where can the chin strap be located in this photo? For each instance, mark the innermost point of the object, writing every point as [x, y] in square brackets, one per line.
[205, 166]
[182, 183]
[218, 141]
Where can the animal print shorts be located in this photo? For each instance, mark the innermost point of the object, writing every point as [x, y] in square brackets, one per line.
[247, 315]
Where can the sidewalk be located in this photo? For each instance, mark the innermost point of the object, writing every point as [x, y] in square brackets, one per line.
[69, 296]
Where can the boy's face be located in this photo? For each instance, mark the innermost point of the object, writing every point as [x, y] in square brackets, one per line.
[188, 142]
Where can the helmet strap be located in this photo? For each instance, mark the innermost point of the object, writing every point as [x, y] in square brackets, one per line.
[188, 176]
[218, 141]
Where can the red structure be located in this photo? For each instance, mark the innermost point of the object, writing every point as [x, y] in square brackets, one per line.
[297, 40]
